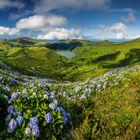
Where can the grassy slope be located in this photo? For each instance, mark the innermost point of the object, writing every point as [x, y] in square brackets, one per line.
[96, 59]
[33, 61]
[92, 59]
[112, 114]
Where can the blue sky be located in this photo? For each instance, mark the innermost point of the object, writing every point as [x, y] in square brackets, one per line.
[70, 19]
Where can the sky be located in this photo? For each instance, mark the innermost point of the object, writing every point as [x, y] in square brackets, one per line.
[70, 19]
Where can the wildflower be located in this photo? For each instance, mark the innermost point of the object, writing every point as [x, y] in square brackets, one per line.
[65, 119]
[19, 119]
[15, 95]
[83, 96]
[88, 90]
[62, 110]
[10, 109]
[46, 92]
[24, 91]
[11, 82]
[64, 94]
[41, 85]
[35, 131]
[7, 89]
[48, 117]
[27, 131]
[55, 102]
[25, 95]
[12, 126]
[6, 98]
[9, 116]
[33, 122]
[52, 106]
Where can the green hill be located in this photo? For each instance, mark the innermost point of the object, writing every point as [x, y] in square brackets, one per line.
[38, 61]
[91, 58]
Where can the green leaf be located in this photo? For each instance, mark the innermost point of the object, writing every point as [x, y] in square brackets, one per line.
[44, 123]
[25, 115]
[3, 133]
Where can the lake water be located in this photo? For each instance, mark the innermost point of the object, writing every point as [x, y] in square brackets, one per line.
[66, 53]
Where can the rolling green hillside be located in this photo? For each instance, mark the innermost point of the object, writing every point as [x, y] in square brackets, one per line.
[38, 61]
[91, 58]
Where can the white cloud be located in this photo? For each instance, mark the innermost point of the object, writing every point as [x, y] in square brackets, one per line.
[130, 19]
[123, 10]
[61, 33]
[114, 31]
[47, 5]
[9, 3]
[41, 21]
[6, 31]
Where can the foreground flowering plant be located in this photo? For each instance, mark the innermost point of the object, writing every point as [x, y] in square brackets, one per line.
[35, 109]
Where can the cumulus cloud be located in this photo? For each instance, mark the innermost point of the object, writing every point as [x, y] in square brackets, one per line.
[130, 19]
[6, 31]
[61, 33]
[10, 4]
[47, 5]
[115, 31]
[41, 21]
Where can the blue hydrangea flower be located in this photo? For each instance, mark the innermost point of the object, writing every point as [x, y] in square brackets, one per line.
[14, 112]
[6, 98]
[55, 102]
[28, 131]
[32, 125]
[65, 119]
[52, 106]
[12, 126]
[33, 122]
[46, 92]
[41, 85]
[19, 119]
[9, 116]
[64, 94]
[15, 95]
[11, 82]
[62, 110]
[7, 89]
[24, 91]
[88, 90]
[35, 131]
[10, 109]
[48, 117]
[25, 95]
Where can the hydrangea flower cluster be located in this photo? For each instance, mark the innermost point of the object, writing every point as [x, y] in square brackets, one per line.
[15, 95]
[48, 117]
[53, 105]
[34, 126]
[12, 126]
[19, 119]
